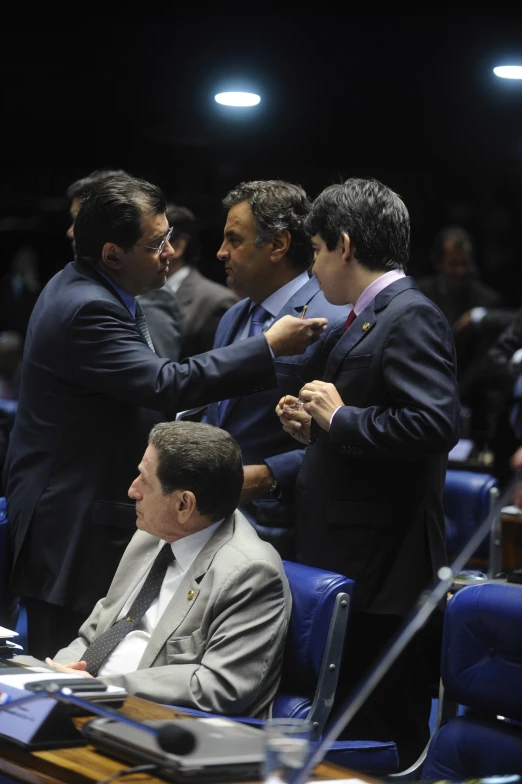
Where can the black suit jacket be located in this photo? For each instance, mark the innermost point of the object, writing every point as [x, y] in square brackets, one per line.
[369, 490]
[91, 390]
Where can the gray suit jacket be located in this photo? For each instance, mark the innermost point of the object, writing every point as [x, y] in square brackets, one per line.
[163, 314]
[219, 644]
[202, 303]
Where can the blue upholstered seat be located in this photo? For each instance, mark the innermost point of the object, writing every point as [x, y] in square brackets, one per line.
[467, 500]
[481, 668]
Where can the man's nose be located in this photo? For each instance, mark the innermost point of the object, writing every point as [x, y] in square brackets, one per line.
[133, 492]
[222, 253]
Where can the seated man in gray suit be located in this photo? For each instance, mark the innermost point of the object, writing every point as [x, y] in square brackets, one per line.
[198, 609]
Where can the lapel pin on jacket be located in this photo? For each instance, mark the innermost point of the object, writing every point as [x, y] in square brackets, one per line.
[366, 326]
[191, 595]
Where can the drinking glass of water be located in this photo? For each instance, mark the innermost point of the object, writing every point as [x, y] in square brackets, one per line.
[287, 745]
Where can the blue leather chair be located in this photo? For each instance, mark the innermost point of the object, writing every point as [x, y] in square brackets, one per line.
[467, 500]
[481, 668]
[12, 614]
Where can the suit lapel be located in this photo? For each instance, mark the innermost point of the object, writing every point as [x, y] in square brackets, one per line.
[186, 594]
[364, 324]
[293, 307]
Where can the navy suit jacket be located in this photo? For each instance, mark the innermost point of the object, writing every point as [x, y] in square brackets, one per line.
[91, 390]
[369, 493]
[253, 421]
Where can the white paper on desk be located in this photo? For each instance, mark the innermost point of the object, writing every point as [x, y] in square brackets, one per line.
[511, 510]
[35, 674]
[7, 632]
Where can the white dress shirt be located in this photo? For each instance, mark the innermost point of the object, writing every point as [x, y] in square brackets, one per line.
[126, 656]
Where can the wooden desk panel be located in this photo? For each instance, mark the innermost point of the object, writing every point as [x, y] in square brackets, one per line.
[83, 764]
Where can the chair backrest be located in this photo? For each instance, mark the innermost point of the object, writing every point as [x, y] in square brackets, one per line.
[481, 668]
[314, 645]
[467, 499]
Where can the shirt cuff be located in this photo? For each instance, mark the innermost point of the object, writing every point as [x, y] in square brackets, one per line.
[477, 314]
[517, 357]
[334, 413]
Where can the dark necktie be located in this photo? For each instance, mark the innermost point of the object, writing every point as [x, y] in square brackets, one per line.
[350, 319]
[258, 319]
[141, 323]
[103, 646]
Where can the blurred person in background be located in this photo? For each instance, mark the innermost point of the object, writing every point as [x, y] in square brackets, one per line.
[476, 313]
[19, 289]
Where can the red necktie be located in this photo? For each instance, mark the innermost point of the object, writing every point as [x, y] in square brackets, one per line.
[351, 317]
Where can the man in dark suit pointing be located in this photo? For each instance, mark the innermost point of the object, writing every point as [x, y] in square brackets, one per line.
[378, 426]
[91, 390]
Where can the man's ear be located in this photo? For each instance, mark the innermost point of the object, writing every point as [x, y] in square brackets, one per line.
[186, 503]
[347, 248]
[111, 256]
[280, 245]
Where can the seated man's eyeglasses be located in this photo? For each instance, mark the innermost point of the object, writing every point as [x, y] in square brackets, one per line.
[158, 248]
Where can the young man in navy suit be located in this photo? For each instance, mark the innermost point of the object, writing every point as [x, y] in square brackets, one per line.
[267, 256]
[378, 428]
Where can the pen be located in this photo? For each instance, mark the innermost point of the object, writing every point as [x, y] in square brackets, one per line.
[303, 314]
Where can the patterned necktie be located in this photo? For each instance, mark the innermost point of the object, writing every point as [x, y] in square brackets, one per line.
[258, 319]
[351, 318]
[141, 323]
[103, 646]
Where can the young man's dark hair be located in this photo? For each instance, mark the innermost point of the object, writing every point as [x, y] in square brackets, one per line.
[112, 211]
[203, 459]
[372, 215]
[277, 207]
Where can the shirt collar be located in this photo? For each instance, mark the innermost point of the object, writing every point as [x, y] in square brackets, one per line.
[371, 291]
[176, 279]
[187, 548]
[276, 301]
[128, 299]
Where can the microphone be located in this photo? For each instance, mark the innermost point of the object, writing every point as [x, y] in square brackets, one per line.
[176, 740]
[426, 605]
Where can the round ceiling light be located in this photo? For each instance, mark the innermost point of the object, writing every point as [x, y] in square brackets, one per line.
[237, 99]
[508, 71]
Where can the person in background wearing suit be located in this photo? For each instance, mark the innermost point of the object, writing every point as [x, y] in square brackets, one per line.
[378, 429]
[202, 301]
[91, 389]
[266, 256]
[212, 633]
[160, 306]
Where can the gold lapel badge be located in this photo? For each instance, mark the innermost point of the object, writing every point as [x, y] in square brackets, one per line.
[191, 595]
[366, 326]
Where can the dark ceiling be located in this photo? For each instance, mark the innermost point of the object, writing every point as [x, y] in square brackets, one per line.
[409, 98]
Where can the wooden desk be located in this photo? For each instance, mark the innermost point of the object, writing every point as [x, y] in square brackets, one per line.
[83, 764]
[511, 541]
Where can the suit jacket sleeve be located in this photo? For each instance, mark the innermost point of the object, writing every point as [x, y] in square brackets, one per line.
[422, 411]
[497, 369]
[106, 354]
[244, 646]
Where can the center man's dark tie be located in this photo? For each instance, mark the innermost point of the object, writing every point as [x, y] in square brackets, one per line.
[258, 318]
[103, 646]
[141, 323]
